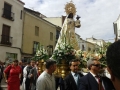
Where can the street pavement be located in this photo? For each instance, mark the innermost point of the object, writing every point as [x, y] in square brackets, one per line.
[3, 85]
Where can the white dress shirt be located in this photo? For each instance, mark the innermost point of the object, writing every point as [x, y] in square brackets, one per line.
[45, 82]
[75, 77]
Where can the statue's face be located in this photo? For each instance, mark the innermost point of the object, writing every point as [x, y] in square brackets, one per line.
[70, 15]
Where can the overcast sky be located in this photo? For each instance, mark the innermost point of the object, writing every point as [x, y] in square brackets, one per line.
[97, 16]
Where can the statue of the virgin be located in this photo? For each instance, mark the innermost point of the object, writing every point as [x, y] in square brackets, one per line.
[67, 33]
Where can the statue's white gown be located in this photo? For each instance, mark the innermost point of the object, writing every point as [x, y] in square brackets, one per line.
[67, 34]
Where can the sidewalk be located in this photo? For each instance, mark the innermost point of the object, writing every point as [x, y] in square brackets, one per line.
[3, 85]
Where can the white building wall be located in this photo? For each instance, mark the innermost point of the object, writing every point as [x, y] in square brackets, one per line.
[81, 42]
[15, 28]
[78, 39]
[55, 20]
[117, 28]
[99, 42]
[4, 50]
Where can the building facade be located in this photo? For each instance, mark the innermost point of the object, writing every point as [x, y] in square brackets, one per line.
[37, 30]
[87, 46]
[11, 23]
[99, 42]
[79, 40]
[90, 47]
[116, 26]
[56, 20]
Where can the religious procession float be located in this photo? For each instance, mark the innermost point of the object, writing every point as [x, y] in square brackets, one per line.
[67, 47]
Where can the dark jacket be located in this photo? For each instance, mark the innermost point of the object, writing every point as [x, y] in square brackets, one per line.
[88, 82]
[69, 82]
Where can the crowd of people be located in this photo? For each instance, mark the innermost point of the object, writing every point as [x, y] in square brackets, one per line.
[18, 73]
[30, 78]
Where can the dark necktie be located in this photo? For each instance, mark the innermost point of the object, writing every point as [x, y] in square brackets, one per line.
[100, 83]
[77, 75]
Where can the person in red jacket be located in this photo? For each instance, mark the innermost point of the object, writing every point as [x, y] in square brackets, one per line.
[14, 74]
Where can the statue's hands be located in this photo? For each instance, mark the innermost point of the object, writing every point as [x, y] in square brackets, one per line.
[78, 17]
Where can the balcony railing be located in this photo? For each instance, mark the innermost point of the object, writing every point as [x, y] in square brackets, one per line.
[8, 14]
[6, 40]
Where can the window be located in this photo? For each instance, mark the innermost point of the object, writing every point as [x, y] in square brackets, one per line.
[83, 48]
[89, 49]
[57, 35]
[50, 50]
[35, 45]
[96, 49]
[7, 12]
[51, 36]
[36, 31]
[6, 39]
[25, 59]
[11, 56]
[21, 14]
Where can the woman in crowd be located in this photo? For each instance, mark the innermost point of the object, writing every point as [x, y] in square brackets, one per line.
[12, 74]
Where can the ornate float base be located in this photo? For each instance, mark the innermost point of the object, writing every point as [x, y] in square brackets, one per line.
[41, 66]
[62, 69]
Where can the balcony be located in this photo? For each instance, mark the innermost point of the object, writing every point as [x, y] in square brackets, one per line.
[8, 14]
[6, 40]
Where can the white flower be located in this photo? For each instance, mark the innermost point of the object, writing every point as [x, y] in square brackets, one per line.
[59, 54]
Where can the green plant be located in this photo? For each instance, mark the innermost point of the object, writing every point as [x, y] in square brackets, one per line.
[64, 52]
[102, 54]
[83, 56]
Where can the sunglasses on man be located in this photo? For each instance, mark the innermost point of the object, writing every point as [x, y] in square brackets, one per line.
[97, 65]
